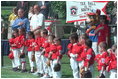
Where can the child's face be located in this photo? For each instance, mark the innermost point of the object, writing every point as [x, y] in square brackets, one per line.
[31, 9]
[37, 35]
[81, 40]
[42, 34]
[102, 20]
[57, 42]
[50, 39]
[21, 32]
[15, 33]
[72, 40]
[100, 49]
[114, 48]
[29, 36]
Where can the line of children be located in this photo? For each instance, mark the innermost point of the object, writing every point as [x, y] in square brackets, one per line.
[40, 45]
[47, 52]
[82, 57]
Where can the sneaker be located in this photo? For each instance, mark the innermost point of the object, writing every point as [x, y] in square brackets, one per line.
[14, 69]
[45, 76]
[51, 76]
[36, 73]
[22, 71]
[40, 75]
[18, 69]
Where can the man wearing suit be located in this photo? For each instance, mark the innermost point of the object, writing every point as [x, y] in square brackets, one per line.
[44, 7]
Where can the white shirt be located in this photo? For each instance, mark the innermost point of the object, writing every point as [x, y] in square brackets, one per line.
[30, 15]
[37, 20]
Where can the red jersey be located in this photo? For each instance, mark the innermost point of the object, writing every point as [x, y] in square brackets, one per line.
[12, 42]
[83, 49]
[111, 61]
[103, 33]
[20, 41]
[88, 57]
[59, 49]
[69, 47]
[101, 60]
[47, 49]
[30, 44]
[53, 48]
[44, 40]
[38, 44]
[76, 49]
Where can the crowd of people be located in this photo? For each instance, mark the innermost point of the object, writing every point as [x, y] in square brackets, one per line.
[29, 38]
[30, 20]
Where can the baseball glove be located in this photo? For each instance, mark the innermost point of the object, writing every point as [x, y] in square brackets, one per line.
[57, 67]
[86, 74]
[48, 62]
[33, 58]
[101, 76]
[11, 56]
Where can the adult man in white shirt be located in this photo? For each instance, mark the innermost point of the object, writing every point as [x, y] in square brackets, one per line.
[37, 20]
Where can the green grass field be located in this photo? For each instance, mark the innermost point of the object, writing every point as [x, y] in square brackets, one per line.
[6, 71]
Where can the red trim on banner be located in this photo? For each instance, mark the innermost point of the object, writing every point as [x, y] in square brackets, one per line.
[75, 20]
[100, 1]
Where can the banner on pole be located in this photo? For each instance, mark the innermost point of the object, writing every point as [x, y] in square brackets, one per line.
[76, 10]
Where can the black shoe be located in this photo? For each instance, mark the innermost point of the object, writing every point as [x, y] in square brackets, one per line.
[40, 75]
[51, 76]
[14, 69]
[18, 69]
[22, 71]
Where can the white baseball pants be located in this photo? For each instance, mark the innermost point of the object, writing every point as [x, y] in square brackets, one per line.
[74, 66]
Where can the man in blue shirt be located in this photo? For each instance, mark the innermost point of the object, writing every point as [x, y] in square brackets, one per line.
[21, 22]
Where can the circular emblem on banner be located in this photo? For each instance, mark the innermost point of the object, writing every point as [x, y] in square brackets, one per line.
[73, 10]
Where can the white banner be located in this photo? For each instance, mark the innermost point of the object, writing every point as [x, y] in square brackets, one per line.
[76, 10]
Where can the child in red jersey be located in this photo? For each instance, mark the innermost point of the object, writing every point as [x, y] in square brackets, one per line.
[75, 52]
[102, 30]
[112, 62]
[22, 49]
[14, 48]
[101, 59]
[37, 50]
[46, 50]
[88, 56]
[69, 47]
[56, 57]
[45, 44]
[81, 43]
[30, 44]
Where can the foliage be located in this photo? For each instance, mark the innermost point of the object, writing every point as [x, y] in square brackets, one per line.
[110, 7]
[59, 7]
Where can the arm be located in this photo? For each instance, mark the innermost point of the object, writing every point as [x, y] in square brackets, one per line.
[15, 24]
[97, 30]
[91, 28]
[27, 25]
